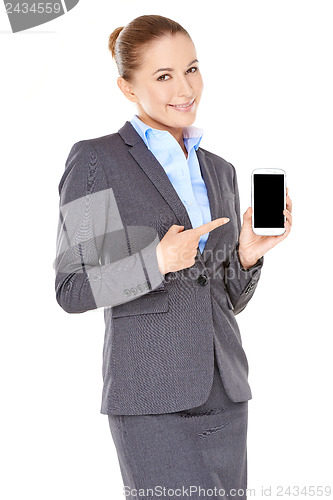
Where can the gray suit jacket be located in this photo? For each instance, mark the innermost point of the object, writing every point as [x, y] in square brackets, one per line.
[116, 204]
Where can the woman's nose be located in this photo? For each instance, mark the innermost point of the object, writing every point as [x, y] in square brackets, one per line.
[184, 88]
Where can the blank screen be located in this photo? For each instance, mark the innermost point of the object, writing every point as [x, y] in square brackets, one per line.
[268, 200]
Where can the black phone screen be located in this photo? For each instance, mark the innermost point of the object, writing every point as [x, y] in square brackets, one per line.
[268, 200]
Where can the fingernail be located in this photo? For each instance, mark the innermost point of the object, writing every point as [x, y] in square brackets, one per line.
[226, 219]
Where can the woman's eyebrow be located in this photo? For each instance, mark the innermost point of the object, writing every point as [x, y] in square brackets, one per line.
[170, 69]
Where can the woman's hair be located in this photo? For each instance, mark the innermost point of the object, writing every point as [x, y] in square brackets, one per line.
[127, 43]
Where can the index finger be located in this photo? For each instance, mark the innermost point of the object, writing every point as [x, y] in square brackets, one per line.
[209, 226]
[289, 203]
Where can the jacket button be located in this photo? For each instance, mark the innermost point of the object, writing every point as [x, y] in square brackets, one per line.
[202, 280]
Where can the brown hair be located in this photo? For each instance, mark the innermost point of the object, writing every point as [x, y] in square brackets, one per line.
[126, 44]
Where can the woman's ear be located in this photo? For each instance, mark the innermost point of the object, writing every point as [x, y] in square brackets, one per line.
[126, 89]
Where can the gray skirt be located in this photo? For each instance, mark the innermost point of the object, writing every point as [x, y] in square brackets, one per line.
[197, 453]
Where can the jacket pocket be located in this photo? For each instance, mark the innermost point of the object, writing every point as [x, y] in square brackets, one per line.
[156, 301]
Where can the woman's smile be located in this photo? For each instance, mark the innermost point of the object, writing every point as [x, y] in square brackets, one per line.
[183, 107]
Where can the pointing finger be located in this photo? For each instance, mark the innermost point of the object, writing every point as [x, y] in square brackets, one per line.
[209, 226]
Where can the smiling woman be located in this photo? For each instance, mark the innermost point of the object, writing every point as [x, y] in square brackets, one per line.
[155, 223]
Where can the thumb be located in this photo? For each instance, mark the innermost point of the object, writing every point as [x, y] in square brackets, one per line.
[247, 218]
[176, 229]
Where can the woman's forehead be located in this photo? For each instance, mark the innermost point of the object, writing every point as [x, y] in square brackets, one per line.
[168, 52]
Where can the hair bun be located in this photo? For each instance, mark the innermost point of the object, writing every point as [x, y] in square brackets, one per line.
[112, 40]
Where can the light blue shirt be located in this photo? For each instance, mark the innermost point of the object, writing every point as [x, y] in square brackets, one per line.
[184, 173]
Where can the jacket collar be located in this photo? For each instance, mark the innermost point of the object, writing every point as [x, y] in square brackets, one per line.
[156, 173]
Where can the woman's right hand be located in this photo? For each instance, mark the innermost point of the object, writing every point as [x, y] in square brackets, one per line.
[177, 249]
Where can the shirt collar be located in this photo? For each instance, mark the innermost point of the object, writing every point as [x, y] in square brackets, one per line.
[191, 134]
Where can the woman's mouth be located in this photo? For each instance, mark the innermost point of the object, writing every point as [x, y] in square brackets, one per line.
[187, 106]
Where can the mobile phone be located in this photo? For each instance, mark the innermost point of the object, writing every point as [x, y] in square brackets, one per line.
[268, 200]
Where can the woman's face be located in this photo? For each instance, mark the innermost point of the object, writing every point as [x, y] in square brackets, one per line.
[157, 91]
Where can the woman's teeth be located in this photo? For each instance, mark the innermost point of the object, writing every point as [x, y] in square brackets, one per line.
[182, 105]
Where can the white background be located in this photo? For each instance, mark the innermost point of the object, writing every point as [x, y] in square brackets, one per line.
[267, 102]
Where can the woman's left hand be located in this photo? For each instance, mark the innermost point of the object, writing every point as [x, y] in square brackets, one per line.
[253, 246]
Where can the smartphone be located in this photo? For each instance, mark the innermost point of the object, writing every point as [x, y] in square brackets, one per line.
[268, 200]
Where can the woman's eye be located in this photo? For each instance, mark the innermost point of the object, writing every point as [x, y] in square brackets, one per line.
[162, 79]
[159, 78]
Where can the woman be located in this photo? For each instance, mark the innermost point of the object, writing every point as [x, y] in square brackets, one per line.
[135, 207]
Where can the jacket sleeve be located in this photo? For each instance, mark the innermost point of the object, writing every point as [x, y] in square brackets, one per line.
[240, 283]
[99, 262]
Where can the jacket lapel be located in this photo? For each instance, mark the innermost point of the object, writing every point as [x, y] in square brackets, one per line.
[209, 176]
[158, 176]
